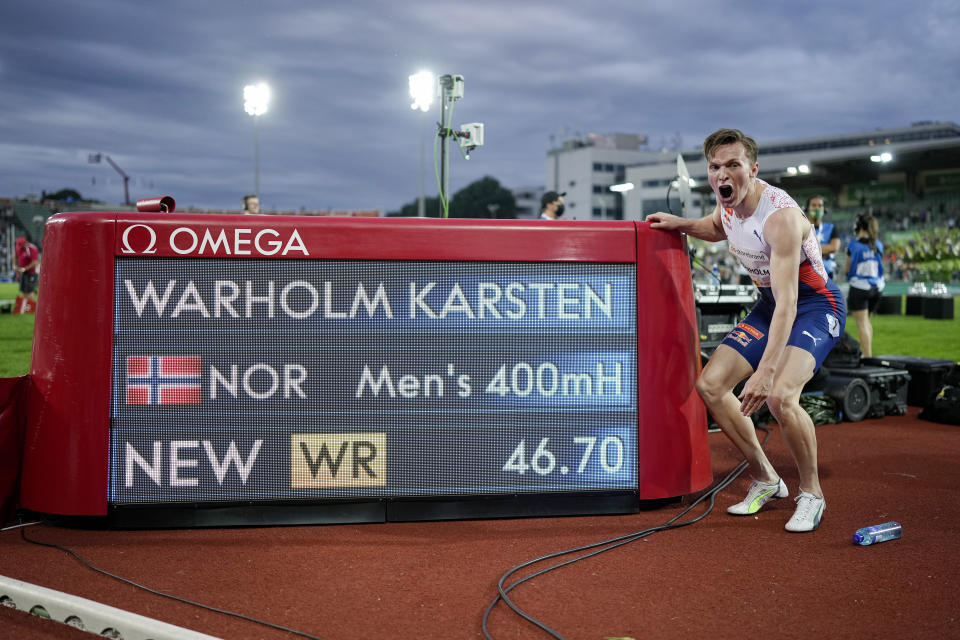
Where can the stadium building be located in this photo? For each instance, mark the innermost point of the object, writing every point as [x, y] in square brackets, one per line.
[904, 175]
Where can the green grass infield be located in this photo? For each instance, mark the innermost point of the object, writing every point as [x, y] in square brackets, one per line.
[892, 334]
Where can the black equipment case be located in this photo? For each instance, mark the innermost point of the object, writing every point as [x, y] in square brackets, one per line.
[869, 392]
[845, 354]
[719, 309]
[938, 307]
[890, 305]
[915, 304]
[926, 374]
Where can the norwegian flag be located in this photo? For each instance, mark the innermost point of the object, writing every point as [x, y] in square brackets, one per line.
[163, 380]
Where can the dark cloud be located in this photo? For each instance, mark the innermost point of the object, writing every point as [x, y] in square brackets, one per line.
[158, 87]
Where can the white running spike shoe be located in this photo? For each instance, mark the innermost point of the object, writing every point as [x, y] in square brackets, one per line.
[807, 516]
[758, 495]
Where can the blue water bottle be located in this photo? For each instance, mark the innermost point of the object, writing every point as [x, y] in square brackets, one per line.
[878, 533]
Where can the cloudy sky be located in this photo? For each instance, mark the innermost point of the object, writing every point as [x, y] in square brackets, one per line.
[158, 87]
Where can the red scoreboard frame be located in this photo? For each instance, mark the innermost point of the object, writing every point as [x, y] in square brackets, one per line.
[67, 454]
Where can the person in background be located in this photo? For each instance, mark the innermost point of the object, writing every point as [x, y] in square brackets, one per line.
[865, 275]
[28, 257]
[251, 204]
[551, 205]
[781, 343]
[826, 234]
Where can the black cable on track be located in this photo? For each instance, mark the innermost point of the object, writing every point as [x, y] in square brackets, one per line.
[600, 547]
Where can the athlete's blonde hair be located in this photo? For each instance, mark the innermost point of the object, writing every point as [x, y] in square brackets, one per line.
[722, 137]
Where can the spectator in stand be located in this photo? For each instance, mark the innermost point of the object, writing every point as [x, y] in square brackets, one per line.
[251, 204]
[826, 234]
[865, 274]
[28, 257]
[551, 205]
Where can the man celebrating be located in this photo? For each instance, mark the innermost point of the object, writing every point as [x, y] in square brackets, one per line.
[551, 205]
[780, 344]
[826, 234]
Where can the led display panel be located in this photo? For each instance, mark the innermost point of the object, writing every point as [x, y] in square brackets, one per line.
[310, 380]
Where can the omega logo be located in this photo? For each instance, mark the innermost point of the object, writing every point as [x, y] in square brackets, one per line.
[125, 239]
[205, 241]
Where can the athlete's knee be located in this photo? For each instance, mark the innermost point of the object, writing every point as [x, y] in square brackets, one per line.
[711, 389]
[784, 404]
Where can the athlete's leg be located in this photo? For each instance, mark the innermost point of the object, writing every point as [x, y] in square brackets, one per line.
[794, 370]
[865, 330]
[715, 385]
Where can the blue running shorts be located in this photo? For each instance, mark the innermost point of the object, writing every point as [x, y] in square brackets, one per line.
[819, 323]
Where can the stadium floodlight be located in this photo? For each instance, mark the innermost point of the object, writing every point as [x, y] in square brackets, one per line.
[621, 188]
[884, 157]
[423, 86]
[804, 168]
[791, 171]
[256, 98]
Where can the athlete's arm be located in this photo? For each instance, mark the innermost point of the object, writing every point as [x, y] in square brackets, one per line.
[707, 228]
[783, 231]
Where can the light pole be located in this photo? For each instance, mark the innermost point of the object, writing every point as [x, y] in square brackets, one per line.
[450, 89]
[256, 97]
[422, 89]
[96, 157]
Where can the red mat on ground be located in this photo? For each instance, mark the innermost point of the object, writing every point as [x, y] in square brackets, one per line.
[723, 577]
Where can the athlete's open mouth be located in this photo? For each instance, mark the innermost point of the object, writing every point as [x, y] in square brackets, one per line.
[726, 191]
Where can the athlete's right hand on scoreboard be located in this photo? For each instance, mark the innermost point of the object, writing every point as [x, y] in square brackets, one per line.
[661, 220]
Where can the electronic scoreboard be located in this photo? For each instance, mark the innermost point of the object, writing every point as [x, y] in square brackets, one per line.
[197, 370]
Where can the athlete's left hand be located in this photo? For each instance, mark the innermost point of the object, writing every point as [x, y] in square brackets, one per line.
[755, 391]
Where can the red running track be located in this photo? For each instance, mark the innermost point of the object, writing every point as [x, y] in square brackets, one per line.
[723, 577]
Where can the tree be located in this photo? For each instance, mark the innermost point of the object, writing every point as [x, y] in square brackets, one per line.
[485, 198]
[431, 207]
[64, 195]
